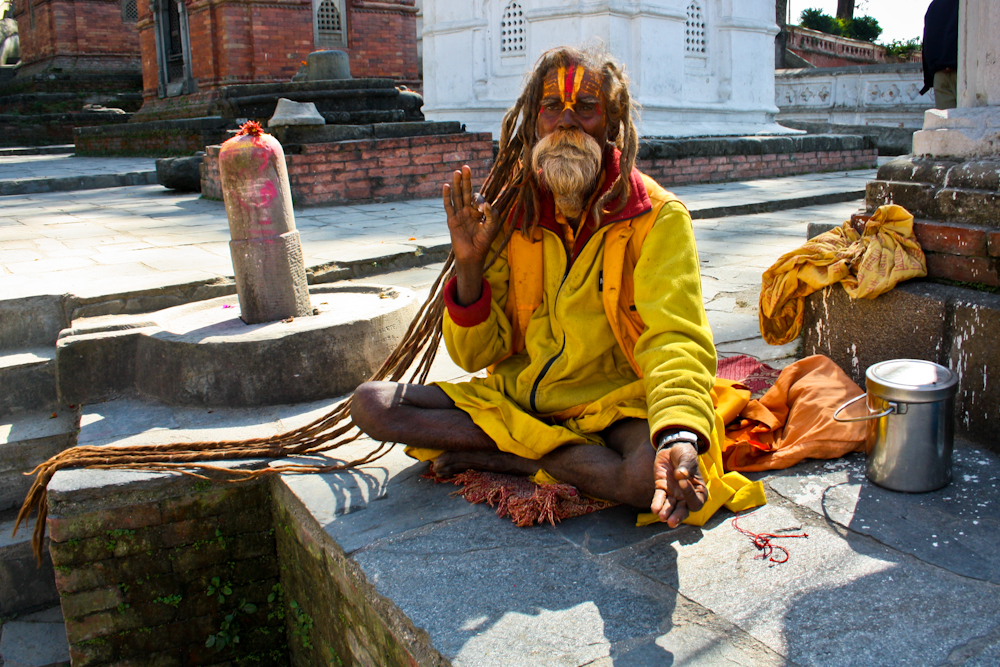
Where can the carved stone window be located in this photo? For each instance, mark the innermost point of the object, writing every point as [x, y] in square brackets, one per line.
[512, 30]
[330, 24]
[130, 11]
[695, 43]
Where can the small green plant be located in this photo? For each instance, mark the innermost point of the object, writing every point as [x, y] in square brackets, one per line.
[172, 600]
[124, 588]
[303, 624]
[219, 589]
[73, 542]
[277, 595]
[114, 536]
[229, 629]
[122, 606]
[202, 485]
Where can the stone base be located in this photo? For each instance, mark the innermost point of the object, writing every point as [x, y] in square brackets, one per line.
[917, 320]
[203, 354]
[157, 138]
[968, 132]
[717, 159]
[258, 101]
[369, 169]
[888, 140]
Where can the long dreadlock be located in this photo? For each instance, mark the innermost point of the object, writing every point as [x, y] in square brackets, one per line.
[513, 189]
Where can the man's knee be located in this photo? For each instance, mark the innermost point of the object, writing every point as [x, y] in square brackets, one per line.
[371, 404]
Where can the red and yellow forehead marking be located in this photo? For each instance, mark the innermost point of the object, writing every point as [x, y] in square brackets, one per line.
[569, 83]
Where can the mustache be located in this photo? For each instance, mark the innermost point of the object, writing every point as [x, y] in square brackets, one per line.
[572, 143]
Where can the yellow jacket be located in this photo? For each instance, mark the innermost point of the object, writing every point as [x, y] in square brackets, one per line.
[542, 323]
[613, 328]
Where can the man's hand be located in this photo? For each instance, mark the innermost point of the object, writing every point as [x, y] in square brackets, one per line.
[680, 489]
[473, 226]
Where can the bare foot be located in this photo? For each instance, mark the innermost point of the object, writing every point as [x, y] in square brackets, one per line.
[453, 463]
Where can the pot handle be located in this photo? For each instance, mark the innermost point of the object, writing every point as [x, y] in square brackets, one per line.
[893, 407]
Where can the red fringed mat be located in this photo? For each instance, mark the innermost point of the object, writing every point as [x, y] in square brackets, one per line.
[527, 503]
[752, 373]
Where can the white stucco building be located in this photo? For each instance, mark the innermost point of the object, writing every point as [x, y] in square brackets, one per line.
[697, 67]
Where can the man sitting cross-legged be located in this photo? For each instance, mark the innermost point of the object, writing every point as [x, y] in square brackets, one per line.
[591, 317]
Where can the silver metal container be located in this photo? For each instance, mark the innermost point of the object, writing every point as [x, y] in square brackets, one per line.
[911, 430]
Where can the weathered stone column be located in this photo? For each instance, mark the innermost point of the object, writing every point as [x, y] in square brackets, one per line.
[973, 129]
[266, 250]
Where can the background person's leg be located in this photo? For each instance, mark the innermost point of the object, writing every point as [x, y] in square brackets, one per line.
[946, 89]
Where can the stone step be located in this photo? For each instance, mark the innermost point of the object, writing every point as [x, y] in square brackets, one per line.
[83, 182]
[28, 379]
[24, 586]
[35, 640]
[26, 440]
[32, 321]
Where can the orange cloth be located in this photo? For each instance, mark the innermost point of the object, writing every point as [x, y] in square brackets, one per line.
[794, 420]
[867, 265]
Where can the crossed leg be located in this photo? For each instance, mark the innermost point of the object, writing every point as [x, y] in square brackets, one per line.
[424, 416]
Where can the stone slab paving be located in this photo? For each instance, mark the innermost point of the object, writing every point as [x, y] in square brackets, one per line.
[35, 640]
[882, 579]
[91, 243]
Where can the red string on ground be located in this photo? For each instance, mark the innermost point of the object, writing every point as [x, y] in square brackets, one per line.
[763, 542]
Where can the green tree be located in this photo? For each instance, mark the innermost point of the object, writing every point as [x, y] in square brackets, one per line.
[815, 19]
[865, 28]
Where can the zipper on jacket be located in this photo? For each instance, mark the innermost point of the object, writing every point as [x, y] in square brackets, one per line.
[548, 364]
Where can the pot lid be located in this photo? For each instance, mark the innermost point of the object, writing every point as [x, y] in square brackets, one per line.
[912, 380]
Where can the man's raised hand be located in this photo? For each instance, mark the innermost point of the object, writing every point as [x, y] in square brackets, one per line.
[473, 226]
[680, 489]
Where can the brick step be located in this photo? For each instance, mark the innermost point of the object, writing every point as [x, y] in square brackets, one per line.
[24, 586]
[28, 379]
[955, 250]
[26, 440]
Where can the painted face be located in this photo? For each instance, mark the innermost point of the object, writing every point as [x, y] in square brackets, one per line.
[571, 99]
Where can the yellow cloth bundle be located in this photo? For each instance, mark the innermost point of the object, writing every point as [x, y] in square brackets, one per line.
[868, 265]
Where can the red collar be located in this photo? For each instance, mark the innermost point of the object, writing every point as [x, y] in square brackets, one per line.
[637, 204]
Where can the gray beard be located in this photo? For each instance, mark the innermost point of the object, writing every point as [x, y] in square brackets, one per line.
[569, 172]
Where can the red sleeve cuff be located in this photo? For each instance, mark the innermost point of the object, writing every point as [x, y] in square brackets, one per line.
[474, 313]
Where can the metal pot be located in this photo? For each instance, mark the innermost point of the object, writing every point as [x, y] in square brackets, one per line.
[911, 408]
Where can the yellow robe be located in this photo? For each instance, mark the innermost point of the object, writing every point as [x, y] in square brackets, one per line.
[562, 373]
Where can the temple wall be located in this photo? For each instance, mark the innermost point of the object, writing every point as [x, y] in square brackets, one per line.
[697, 67]
[383, 42]
[75, 35]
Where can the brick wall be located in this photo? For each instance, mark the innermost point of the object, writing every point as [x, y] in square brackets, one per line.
[78, 35]
[957, 251]
[376, 169]
[141, 582]
[154, 143]
[141, 564]
[719, 168]
[383, 42]
[234, 42]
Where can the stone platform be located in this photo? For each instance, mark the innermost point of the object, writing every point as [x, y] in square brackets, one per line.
[188, 123]
[387, 568]
[956, 203]
[715, 159]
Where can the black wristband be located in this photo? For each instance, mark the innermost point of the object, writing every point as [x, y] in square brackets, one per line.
[668, 439]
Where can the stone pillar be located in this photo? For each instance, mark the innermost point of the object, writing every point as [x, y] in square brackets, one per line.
[267, 253]
[973, 129]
